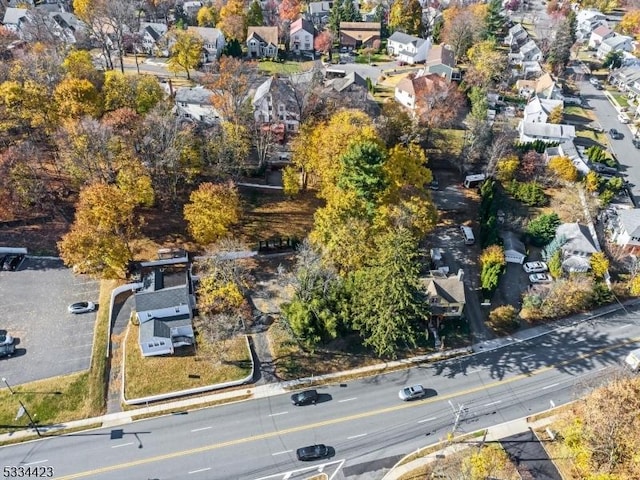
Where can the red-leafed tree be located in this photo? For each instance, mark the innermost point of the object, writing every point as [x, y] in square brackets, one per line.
[438, 102]
[289, 10]
[323, 41]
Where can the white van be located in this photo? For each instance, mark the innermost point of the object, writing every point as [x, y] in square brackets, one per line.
[467, 234]
[471, 181]
[623, 118]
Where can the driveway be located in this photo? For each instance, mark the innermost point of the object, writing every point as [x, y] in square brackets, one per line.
[51, 341]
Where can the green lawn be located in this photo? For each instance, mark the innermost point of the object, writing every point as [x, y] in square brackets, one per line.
[373, 58]
[621, 99]
[284, 68]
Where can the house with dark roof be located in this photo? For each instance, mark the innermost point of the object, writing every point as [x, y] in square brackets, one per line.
[153, 39]
[213, 42]
[274, 102]
[262, 42]
[350, 82]
[407, 48]
[445, 294]
[164, 307]
[577, 248]
[516, 35]
[354, 35]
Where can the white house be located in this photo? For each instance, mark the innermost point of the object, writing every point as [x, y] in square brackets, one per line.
[191, 8]
[153, 40]
[194, 104]
[625, 228]
[407, 48]
[274, 103]
[301, 36]
[410, 89]
[577, 248]
[15, 19]
[213, 41]
[601, 33]
[262, 42]
[615, 43]
[538, 109]
[587, 20]
[516, 35]
[164, 307]
[529, 52]
[547, 132]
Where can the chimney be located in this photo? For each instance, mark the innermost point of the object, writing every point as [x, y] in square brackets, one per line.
[460, 275]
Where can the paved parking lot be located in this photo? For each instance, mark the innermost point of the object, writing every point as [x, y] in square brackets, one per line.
[51, 341]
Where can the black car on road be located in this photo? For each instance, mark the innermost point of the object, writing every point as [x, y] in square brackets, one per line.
[615, 134]
[305, 398]
[313, 452]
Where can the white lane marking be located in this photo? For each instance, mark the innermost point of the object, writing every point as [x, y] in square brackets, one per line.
[357, 436]
[122, 445]
[622, 327]
[347, 399]
[528, 356]
[550, 386]
[279, 413]
[199, 471]
[493, 403]
[427, 419]
[281, 453]
[33, 463]
[200, 429]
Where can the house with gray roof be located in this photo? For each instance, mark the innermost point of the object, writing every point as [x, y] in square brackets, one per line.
[407, 48]
[516, 35]
[164, 307]
[194, 104]
[274, 102]
[529, 52]
[15, 19]
[547, 132]
[616, 43]
[213, 42]
[152, 39]
[441, 60]
[568, 149]
[625, 229]
[514, 249]
[445, 294]
[537, 110]
[577, 248]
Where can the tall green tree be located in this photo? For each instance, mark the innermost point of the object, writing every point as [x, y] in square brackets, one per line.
[335, 17]
[390, 309]
[494, 20]
[254, 15]
[362, 172]
[350, 12]
[186, 52]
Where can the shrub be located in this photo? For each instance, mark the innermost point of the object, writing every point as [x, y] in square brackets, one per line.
[529, 193]
[493, 262]
[599, 264]
[592, 182]
[595, 153]
[503, 319]
[564, 168]
[542, 229]
[555, 264]
[634, 286]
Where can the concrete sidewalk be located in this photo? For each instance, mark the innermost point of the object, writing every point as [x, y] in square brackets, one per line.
[494, 434]
[271, 389]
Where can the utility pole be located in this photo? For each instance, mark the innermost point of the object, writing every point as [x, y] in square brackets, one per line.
[457, 413]
[23, 411]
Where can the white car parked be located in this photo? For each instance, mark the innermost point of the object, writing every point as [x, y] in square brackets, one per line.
[535, 267]
[540, 278]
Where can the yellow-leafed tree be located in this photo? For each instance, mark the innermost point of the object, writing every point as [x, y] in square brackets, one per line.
[564, 168]
[75, 98]
[211, 211]
[185, 53]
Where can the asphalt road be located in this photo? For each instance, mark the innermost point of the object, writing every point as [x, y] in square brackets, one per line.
[623, 149]
[363, 420]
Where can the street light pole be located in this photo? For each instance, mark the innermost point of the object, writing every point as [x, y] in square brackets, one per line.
[8, 386]
[23, 410]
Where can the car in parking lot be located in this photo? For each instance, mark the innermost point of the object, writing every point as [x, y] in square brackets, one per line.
[81, 307]
[304, 398]
[540, 278]
[535, 267]
[412, 393]
[615, 134]
[313, 452]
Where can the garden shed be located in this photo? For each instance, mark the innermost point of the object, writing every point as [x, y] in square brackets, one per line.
[514, 251]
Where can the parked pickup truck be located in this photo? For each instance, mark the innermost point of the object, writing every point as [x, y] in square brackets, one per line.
[633, 360]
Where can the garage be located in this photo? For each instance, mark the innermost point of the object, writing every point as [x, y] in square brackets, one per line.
[514, 251]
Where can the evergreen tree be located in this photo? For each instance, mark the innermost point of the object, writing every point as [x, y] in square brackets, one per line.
[336, 17]
[350, 12]
[233, 49]
[254, 15]
[494, 21]
[389, 309]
